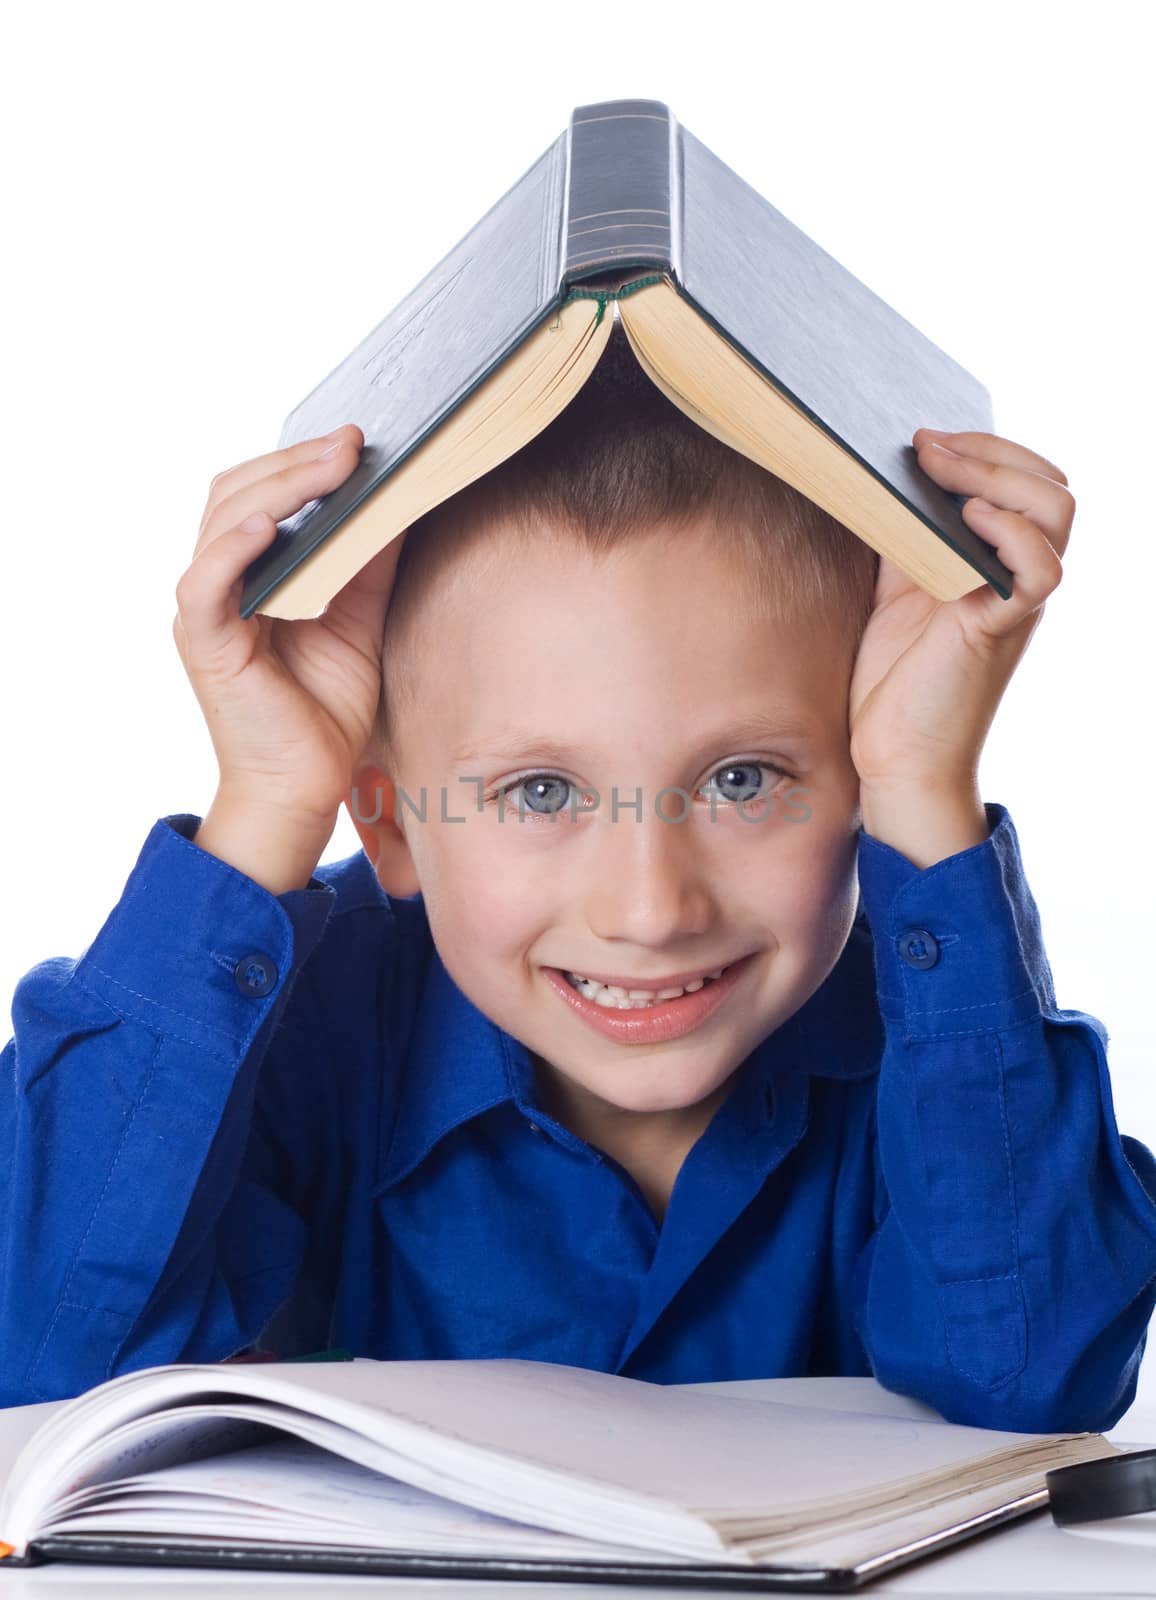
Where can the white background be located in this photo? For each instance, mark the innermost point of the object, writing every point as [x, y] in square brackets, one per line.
[207, 208]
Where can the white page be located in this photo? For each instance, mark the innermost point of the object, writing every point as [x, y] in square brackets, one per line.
[300, 1485]
[291, 1492]
[828, 1394]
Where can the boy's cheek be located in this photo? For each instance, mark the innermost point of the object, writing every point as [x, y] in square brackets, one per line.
[812, 885]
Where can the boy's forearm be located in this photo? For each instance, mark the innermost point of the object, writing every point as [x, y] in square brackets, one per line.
[925, 822]
[278, 852]
[1014, 1268]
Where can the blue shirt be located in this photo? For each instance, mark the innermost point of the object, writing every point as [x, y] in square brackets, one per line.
[243, 1118]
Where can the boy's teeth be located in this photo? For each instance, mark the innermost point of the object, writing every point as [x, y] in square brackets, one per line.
[616, 998]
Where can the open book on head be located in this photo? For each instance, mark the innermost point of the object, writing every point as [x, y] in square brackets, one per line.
[510, 1469]
[741, 320]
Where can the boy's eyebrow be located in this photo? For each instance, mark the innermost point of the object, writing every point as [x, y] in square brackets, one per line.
[520, 744]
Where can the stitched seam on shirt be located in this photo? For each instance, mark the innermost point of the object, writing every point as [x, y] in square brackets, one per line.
[1014, 1276]
[48, 1332]
[160, 1006]
[994, 1029]
[980, 1005]
[1011, 1172]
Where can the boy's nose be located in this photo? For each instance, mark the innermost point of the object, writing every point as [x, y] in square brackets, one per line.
[651, 882]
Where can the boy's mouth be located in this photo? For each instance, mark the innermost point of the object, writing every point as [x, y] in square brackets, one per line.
[638, 997]
[643, 1016]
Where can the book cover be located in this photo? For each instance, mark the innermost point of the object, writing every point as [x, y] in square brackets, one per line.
[627, 193]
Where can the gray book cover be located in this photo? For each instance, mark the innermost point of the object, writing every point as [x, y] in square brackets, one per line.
[627, 191]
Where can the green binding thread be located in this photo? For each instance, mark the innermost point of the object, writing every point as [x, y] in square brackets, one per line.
[604, 295]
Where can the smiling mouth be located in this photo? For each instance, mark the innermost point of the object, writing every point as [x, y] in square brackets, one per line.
[616, 998]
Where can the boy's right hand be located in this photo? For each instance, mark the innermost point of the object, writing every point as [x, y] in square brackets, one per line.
[289, 704]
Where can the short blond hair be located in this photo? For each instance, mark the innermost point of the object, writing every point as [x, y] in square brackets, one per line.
[621, 461]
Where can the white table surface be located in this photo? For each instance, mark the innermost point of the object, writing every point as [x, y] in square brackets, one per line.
[1031, 1559]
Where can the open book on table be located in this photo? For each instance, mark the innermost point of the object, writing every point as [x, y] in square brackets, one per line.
[507, 1469]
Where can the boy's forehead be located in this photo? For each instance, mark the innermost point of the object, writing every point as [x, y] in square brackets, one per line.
[530, 618]
[529, 660]
[546, 564]
[511, 592]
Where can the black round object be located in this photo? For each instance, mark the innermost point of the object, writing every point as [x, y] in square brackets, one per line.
[1115, 1486]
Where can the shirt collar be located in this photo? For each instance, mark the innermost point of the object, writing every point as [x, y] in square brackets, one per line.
[459, 1063]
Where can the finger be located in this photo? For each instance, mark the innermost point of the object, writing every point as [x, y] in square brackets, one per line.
[281, 492]
[991, 447]
[1028, 554]
[212, 632]
[179, 638]
[357, 612]
[246, 473]
[1047, 503]
[890, 582]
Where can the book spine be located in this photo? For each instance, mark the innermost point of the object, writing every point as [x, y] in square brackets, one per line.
[620, 191]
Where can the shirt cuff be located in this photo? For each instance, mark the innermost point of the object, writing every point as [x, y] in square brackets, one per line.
[197, 949]
[958, 945]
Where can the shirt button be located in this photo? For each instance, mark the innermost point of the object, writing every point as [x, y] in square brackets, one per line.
[919, 948]
[255, 975]
[534, 1128]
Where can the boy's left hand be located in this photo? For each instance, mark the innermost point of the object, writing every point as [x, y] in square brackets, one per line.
[930, 673]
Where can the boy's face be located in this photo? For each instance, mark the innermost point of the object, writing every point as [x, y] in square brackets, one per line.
[638, 669]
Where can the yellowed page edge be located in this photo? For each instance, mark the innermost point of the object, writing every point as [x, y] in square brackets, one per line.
[668, 337]
[549, 367]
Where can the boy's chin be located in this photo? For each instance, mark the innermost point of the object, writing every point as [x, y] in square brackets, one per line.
[651, 1088]
[662, 1102]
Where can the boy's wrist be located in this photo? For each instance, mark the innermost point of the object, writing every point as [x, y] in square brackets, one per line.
[926, 821]
[278, 850]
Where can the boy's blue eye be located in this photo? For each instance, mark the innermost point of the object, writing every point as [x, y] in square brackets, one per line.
[745, 790]
[547, 793]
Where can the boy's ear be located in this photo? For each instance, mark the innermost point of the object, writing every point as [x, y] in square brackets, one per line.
[371, 803]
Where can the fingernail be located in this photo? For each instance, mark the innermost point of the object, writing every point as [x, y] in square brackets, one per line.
[980, 505]
[332, 451]
[943, 450]
[253, 524]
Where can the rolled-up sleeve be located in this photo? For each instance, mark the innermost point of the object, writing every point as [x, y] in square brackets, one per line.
[1012, 1273]
[127, 1099]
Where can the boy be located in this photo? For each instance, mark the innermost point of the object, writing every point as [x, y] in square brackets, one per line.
[644, 716]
